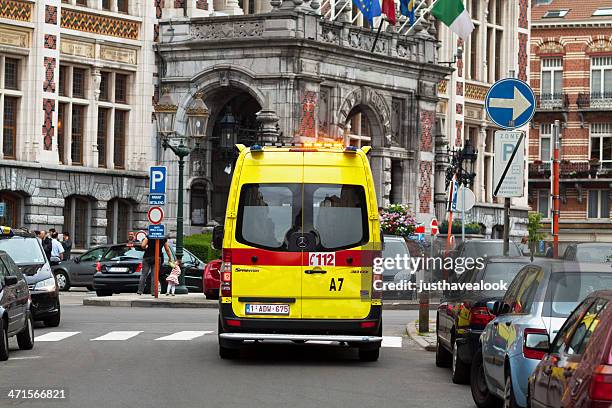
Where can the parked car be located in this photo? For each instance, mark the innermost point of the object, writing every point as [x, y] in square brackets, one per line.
[600, 252]
[463, 315]
[15, 315]
[27, 252]
[79, 271]
[475, 248]
[395, 246]
[212, 279]
[538, 301]
[118, 271]
[577, 371]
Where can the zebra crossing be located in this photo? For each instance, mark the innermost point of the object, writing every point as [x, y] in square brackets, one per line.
[184, 335]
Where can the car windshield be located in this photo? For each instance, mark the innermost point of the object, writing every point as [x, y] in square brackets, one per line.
[123, 253]
[24, 251]
[502, 271]
[475, 249]
[270, 213]
[567, 289]
[392, 248]
[594, 253]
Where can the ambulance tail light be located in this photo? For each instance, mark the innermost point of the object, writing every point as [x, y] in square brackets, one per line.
[226, 273]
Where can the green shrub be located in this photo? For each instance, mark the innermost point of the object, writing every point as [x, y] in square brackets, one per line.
[200, 246]
[470, 228]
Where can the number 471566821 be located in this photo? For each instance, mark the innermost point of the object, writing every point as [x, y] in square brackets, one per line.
[322, 259]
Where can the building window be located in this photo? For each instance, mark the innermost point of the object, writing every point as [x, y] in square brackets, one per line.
[78, 126]
[77, 220]
[81, 2]
[120, 88]
[545, 138]
[544, 203]
[104, 86]
[12, 210]
[119, 220]
[11, 73]
[552, 78]
[601, 143]
[106, 4]
[63, 72]
[474, 50]
[198, 204]
[103, 115]
[9, 132]
[599, 204]
[78, 83]
[357, 129]
[122, 6]
[601, 77]
[119, 138]
[61, 131]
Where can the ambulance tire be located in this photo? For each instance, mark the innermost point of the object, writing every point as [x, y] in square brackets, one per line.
[369, 354]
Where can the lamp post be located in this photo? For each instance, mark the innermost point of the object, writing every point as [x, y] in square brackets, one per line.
[458, 159]
[197, 122]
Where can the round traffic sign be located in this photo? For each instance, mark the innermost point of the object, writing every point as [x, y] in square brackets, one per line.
[468, 195]
[141, 235]
[155, 215]
[510, 103]
[434, 227]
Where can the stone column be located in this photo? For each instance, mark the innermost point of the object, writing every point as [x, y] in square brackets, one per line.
[227, 8]
[268, 120]
[99, 222]
[441, 164]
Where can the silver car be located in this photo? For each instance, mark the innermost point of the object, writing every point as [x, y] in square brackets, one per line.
[534, 308]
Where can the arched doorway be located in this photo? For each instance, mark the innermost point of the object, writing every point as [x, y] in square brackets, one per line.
[357, 129]
[233, 121]
[78, 220]
[119, 220]
[198, 203]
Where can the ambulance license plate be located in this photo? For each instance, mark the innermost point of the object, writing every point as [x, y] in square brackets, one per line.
[260, 309]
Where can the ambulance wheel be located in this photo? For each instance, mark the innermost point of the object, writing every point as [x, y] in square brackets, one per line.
[369, 354]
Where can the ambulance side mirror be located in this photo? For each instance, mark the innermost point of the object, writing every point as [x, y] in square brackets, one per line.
[217, 237]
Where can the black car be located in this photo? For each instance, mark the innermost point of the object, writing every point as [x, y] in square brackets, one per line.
[475, 248]
[118, 271]
[27, 252]
[598, 252]
[463, 315]
[79, 271]
[15, 316]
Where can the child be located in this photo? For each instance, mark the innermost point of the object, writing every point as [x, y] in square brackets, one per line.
[172, 279]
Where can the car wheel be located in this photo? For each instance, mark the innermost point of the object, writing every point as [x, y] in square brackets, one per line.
[227, 353]
[213, 295]
[443, 357]
[63, 282]
[461, 371]
[369, 354]
[25, 339]
[4, 345]
[509, 401]
[480, 392]
[104, 293]
[53, 321]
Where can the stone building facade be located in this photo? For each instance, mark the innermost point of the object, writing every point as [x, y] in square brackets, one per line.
[76, 89]
[496, 49]
[571, 65]
[318, 79]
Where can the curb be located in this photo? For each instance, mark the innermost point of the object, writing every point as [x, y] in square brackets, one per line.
[108, 301]
[412, 333]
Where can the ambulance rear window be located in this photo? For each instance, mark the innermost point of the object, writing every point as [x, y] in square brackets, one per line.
[269, 214]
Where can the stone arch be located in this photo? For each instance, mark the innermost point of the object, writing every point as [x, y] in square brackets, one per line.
[550, 47]
[374, 104]
[598, 44]
[11, 179]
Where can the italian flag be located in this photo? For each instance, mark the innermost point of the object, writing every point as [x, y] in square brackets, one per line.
[453, 14]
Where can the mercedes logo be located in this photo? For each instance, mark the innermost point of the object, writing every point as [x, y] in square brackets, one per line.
[301, 242]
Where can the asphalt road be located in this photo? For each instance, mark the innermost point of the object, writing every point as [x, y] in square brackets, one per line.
[121, 357]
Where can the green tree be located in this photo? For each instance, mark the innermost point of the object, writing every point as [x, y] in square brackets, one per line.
[533, 228]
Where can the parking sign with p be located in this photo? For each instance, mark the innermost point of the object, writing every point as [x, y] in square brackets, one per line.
[157, 180]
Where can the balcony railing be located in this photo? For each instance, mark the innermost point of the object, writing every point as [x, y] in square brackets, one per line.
[595, 100]
[572, 170]
[552, 101]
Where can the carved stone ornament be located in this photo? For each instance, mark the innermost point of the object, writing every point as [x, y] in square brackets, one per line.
[220, 31]
[551, 47]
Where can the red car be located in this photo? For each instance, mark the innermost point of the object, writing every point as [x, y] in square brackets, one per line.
[212, 279]
[577, 372]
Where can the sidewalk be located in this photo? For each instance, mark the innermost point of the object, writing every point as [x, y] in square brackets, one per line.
[197, 300]
[425, 340]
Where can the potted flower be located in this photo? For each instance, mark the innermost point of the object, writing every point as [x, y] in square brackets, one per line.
[397, 219]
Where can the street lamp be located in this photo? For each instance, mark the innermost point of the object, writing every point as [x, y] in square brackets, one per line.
[228, 130]
[197, 121]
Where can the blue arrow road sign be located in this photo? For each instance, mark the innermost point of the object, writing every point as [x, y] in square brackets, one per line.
[157, 180]
[510, 103]
[157, 231]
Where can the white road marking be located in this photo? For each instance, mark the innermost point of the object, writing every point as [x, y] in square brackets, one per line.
[55, 336]
[185, 335]
[24, 358]
[117, 336]
[391, 341]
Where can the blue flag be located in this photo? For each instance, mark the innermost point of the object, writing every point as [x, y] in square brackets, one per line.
[407, 8]
[369, 9]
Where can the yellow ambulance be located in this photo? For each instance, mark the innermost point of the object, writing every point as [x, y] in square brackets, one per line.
[300, 236]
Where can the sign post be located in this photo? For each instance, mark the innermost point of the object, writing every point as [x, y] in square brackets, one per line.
[510, 104]
[2, 209]
[157, 231]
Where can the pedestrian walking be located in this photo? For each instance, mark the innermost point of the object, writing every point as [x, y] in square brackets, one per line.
[173, 278]
[45, 241]
[57, 250]
[148, 260]
[67, 244]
